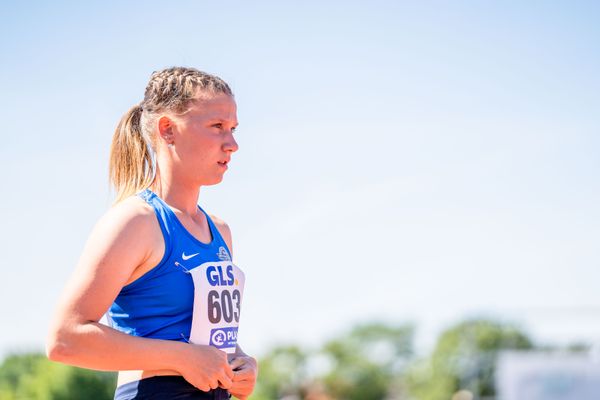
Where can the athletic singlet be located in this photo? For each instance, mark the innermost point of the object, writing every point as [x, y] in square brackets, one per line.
[194, 294]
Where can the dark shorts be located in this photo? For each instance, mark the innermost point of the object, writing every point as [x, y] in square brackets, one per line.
[166, 388]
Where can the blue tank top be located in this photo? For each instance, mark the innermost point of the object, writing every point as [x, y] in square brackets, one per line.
[160, 304]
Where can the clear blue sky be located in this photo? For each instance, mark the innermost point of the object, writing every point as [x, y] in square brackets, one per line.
[402, 161]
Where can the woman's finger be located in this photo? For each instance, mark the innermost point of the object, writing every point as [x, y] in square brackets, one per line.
[243, 375]
[237, 363]
[225, 381]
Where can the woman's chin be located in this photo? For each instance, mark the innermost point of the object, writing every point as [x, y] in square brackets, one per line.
[213, 181]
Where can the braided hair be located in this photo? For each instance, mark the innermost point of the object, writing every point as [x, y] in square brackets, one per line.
[131, 165]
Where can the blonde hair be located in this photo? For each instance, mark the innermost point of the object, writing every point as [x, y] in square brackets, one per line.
[132, 166]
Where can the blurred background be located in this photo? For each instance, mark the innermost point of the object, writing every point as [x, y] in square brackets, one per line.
[415, 201]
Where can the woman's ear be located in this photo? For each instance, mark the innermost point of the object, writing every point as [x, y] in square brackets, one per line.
[165, 130]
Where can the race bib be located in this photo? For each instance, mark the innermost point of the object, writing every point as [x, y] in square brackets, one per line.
[218, 291]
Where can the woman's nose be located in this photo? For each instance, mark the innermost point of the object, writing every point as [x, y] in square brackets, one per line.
[231, 144]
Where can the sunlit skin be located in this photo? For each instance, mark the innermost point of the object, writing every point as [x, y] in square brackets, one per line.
[202, 143]
[195, 149]
[192, 150]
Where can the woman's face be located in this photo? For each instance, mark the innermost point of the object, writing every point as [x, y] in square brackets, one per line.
[203, 140]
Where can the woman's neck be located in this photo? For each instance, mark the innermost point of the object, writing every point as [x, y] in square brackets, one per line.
[176, 194]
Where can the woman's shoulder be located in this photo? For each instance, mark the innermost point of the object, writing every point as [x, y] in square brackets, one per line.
[223, 229]
[131, 214]
[124, 238]
[219, 223]
[133, 206]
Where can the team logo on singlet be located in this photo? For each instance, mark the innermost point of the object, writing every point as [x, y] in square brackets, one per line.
[223, 254]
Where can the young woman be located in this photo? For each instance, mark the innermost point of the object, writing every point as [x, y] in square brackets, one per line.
[156, 261]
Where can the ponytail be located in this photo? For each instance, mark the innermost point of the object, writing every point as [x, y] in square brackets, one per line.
[131, 166]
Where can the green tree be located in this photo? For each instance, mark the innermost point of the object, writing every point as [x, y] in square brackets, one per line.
[464, 358]
[367, 362]
[282, 372]
[33, 377]
[363, 364]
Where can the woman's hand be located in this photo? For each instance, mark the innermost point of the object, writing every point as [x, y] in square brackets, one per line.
[245, 371]
[206, 367]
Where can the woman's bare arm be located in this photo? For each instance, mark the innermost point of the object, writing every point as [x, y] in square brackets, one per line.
[124, 239]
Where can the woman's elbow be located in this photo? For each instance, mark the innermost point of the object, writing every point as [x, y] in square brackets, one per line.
[55, 350]
[58, 347]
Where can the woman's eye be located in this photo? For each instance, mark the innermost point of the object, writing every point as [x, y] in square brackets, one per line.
[218, 126]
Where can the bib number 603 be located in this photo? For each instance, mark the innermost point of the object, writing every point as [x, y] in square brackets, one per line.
[225, 305]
